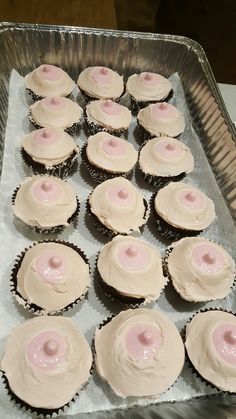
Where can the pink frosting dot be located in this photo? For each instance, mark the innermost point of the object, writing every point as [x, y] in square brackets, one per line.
[113, 146]
[149, 79]
[120, 196]
[169, 150]
[111, 108]
[47, 350]
[54, 103]
[46, 190]
[208, 258]
[224, 341]
[163, 110]
[50, 72]
[133, 257]
[143, 341]
[102, 76]
[192, 199]
[45, 136]
[51, 267]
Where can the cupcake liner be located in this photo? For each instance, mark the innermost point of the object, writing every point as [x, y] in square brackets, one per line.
[73, 219]
[94, 128]
[100, 175]
[62, 170]
[33, 308]
[145, 135]
[36, 97]
[88, 98]
[136, 105]
[110, 233]
[72, 130]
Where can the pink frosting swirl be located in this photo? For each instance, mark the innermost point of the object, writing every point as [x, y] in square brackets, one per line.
[46, 190]
[45, 136]
[149, 79]
[49, 72]
[47, 350]
[208, 258]
[224, 341]
[168, 150]
[133, 257]
[102, 76]
[163, 110]
[111, 108]
[120, 196]
[51, 267]
[143, 341]
[191, 199]
[54, 103]
[113, 146]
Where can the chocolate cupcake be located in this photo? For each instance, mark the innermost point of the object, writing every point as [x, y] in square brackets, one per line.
[46, 204]
[182, 210]
[163, 160]
[100, 83]
[211, 348]
[108, 116]
[56, 112]
[130, 271]
[117, 207]
[50, 277]
[146, 88]
[48, 80]
[42, 366]
[50, 151]
[107, 156]
[160, 119]
[139, 353]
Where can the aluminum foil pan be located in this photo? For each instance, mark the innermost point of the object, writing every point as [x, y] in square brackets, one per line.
[26, 46]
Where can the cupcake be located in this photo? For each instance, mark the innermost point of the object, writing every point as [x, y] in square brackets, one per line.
[45, 203]
[56, 112]
[100, 83]
[50, 151]
[108, 116]
[211, 347]
[50, 277]
[160, 119]
[42, 365]
[146, 88]
[48, 80]
[139, 353]
[130, 270]
[107, 156]
[200, 269]
[118, 207]
[182, 210]
[165, 159]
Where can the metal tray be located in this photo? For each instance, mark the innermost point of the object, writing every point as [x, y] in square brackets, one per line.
[24, 46]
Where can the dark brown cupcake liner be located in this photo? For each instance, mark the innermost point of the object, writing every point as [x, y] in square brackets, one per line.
[72, 130]
[36, 97]
[100, 175]
[136, 105]
[95, 128]
[88, 98]
[110, 233]
[73, 219]
[145, 135]
[62, 170]
[33, 308]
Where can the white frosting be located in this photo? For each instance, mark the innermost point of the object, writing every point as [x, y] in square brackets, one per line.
[148, 92]
[119, 219]
[49, 389]
[50, 154]
[43, 87]
[202, 352]
[96, 115]
[47, 295]
[111, 162]
[153, 163]
[40, 214]
[194, 283]
[138, 377]
[169, 207]
[63, 118]
[146, 282]
[109, 90]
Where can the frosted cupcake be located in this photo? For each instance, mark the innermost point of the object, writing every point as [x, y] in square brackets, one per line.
[48, 80]
[117, 207]
[165, 159]
[146, 88]
[130, 270]
[100, 83]
[46, 204]
[211, 347]
[107, 156]
[108, 116]
[200, 269]
[182, 210]
[42, 366]
[56, 112]
[160, 119]
[50, 277]
[139, 353]
[50, 151]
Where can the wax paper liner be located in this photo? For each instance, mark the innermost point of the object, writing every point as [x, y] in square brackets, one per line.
[100, 175]
[36, 97]
[136, 105]
[33, 308]
[73, 219]
[73, 129]
[62, 170]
